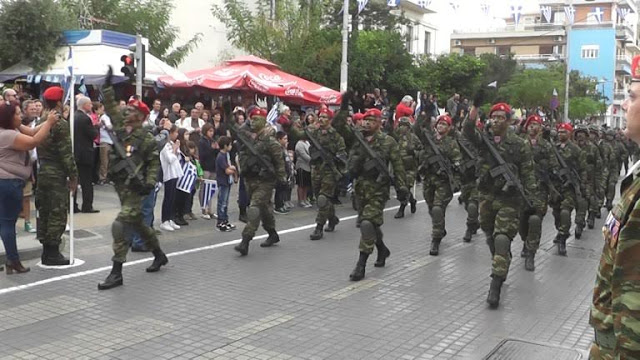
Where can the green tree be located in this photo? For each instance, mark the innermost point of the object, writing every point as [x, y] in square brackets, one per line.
[582, 107]
[149, 18]
[452, 73]
[31, 31]
[532, 87]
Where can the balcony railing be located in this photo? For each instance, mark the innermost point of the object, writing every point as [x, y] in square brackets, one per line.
[538, 57]
[619, 95]
[624, 59]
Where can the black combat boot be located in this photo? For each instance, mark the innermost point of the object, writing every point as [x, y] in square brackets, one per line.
[414, 204]
[358, 273]
[467, 234]
[331, 226]
[272, 239]
[435, 247]
[562, 245]
[591, 220]
[243, 214]
[524, 253]
[578, 231]
[493, 299]
[51, 256]
[609, 205]
[243, 247]
[114, 279]
[400, 213]
[598, 214]
[317, 233]
[529, 261]
[383, 254]
[160, 259]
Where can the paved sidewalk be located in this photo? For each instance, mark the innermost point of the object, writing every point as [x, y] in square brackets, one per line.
[294, 301]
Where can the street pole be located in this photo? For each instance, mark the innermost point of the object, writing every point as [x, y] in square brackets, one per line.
[140, 53]
[566, 59]
[344, 66]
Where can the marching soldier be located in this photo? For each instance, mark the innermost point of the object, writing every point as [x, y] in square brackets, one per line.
[410, 147]
[369, 160]
[133, 167]
[614, 315]
[262, 166]
[502, 194]
[57, 175]
[591, 182]
[608, 166]
[618, 153]
[468, 189]
[439, 164]
[573, 168]
[545, 166]
[328, 159]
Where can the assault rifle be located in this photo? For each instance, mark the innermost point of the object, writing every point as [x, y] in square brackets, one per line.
[471, 163]
[443, 162]
[125, 162]
[248, 144]
[568, 175]
[321, 152]
[503, 170]
[374, 159]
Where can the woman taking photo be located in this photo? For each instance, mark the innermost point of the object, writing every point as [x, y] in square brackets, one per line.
[15, 166]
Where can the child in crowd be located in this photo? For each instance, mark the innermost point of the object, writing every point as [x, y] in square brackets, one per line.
[171, 172]
[225, 177]
[283, 191]
[193, 154]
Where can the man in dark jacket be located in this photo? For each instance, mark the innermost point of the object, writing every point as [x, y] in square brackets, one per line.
[85, 132]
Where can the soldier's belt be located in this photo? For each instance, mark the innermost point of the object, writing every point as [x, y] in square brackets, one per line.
[605, 338]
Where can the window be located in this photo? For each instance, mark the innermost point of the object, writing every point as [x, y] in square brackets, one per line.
[558, 17]
[590, 51]
[410, 38]
[427, 42]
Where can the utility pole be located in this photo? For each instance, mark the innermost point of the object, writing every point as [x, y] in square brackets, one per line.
[566, 60]
[344, 66]
[140, 55]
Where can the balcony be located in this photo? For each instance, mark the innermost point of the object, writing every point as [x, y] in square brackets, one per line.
[526, 58]
[510, 31]
[624, 32]
[631, 4]
[623, 64]
[619, 96]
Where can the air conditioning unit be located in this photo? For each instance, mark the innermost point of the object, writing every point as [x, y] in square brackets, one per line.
[558, 38]
[457, 42]
[492, 41]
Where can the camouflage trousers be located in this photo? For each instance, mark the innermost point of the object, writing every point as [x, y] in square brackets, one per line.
[602, 191]
[324, 184]
[468, 194]
[603, 346]
[261, 208]
[130, 218]
[52, 198]
[612, 181]
[531, 236]
[568, 203]
[372, 196]
[411, 180]
[437, 192]
[499, 215]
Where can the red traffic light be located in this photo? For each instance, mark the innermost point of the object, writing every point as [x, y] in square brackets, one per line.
[127, 60]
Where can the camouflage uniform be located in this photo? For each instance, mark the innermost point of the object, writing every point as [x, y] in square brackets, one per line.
[436, 188]
[576, 160]
[545, 166]
[500, 210]
[260, 184]
[410, 148]
[614, 314]
[371, 188]
[609, 162]
[57, 164]
[469, 187]
[590, 183]
[618, 153]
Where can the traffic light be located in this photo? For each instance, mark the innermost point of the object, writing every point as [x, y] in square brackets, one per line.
[128, 66]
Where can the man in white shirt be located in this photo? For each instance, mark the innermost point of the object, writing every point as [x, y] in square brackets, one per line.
[192, 123]
[155, 111]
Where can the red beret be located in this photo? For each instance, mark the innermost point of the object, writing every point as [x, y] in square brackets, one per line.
[358, 116]
[403, 110]
[480, 125]
[564, 126]
[325, 110]
[635, 72]
[140, 106]
[500, 107]
[533, 118]
[445, 118]
[256, 111]
[374, 113]
[54, 93]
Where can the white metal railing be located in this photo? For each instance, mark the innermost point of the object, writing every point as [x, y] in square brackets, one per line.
[626, 58]
[531, 57]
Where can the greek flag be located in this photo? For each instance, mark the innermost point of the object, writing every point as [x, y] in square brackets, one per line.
[623, 12]
[188, 179]
[486, 8]
[546, 12]
[516, 11]
[598, 13]
[424, 3]
[209, 190]
[570, 12]
[393, 3]
[272, 116]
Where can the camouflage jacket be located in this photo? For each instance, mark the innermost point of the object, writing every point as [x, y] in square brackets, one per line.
[621, 152]
[448, 147]
[609, 156]
[469, 157]
[515, 152]
[576, 160]
[330, 140]
[545, 163]
[266, 145]
[410, 147]
[387, 149]
[616, 296]
[593, 163]
[54, 153]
